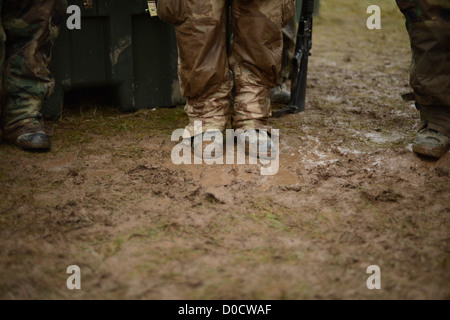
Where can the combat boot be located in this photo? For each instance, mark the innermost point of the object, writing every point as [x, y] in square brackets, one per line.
[211, 141]
[431, 143]
[280, 94]
[28, 135]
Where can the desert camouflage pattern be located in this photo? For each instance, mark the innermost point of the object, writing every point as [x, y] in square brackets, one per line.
[289, 34]
[204, 64]
[428, 25]
[28, 29]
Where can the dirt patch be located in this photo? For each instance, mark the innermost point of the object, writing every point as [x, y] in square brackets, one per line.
[349, 194]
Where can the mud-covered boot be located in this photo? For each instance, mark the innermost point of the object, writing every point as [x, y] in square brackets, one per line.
[431, 143]
[28, 135]
[208, 145]
[280, 94]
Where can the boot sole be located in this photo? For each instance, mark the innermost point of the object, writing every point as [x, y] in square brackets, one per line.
[430, 152]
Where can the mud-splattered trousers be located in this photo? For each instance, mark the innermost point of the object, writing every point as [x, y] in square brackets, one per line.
[204, 64]
[28, 29]
[289, 34]
[428, 25]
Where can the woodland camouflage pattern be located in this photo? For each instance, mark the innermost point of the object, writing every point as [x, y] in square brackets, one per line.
[428, 25]
[28, 29]
[204, 65]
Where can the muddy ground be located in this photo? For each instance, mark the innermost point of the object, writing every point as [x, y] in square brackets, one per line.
[349, 194]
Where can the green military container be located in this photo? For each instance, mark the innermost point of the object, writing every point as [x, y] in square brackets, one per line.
[119, 46]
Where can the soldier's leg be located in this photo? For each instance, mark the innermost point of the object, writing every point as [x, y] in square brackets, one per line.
[203, 64]
[289, 32]
[256, 57]
[428, 25]
[2, 57]
[31, 28]
[280, 94]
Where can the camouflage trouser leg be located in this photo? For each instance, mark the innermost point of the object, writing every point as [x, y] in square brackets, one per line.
[289, 32]
[428, 24]
[31, 27]
[203, 63]
[2, 59]
[256, 57]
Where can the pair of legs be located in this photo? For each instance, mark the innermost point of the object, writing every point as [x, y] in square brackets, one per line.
[428, 25]
[28, 29]
[204, 63]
